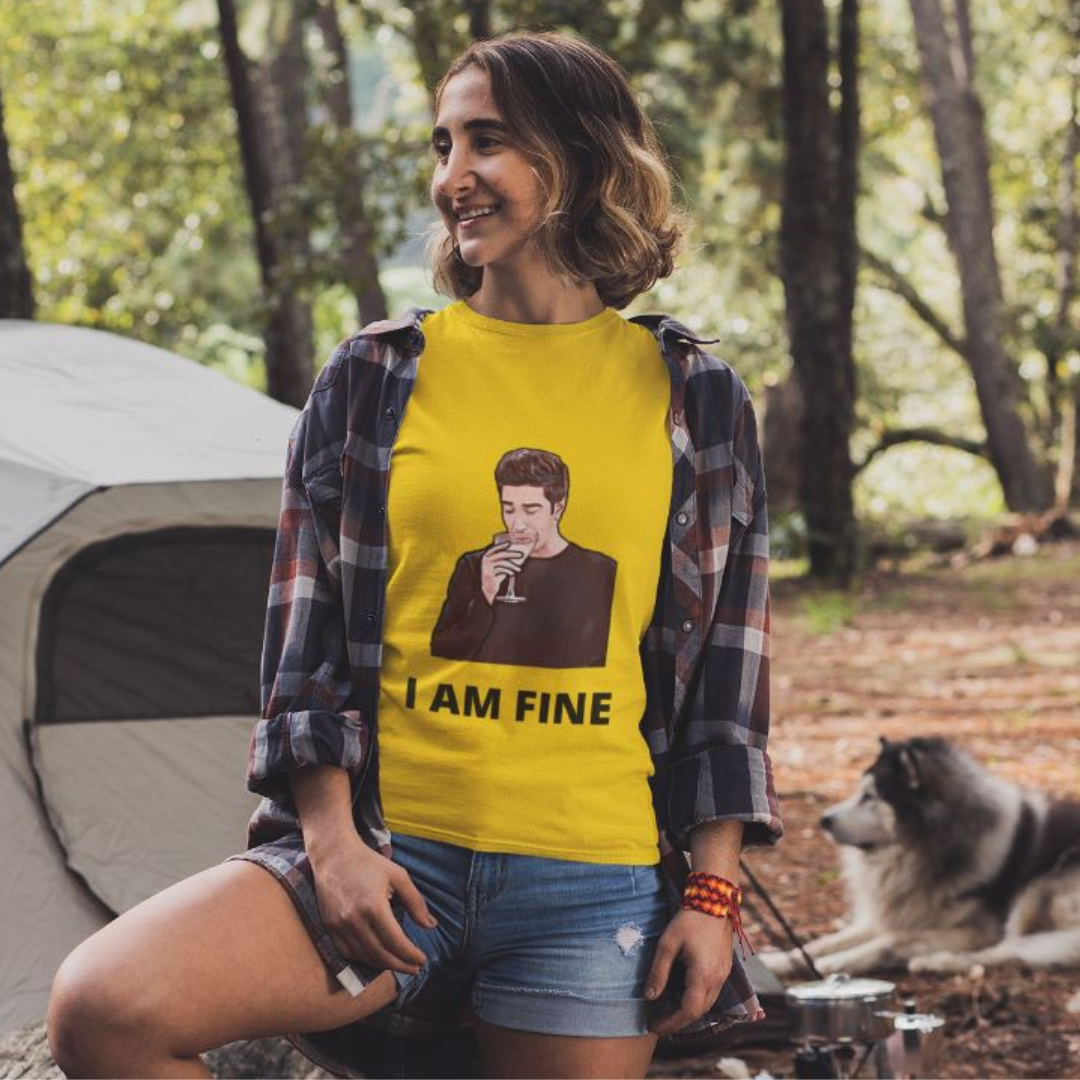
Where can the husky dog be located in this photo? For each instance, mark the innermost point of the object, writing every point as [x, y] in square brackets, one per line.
[946, 867]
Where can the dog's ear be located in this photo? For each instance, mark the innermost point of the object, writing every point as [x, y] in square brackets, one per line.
[909, 768]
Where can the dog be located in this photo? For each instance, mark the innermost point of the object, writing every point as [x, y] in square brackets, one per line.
[948, 866]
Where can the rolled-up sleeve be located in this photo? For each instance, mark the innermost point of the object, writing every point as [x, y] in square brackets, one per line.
[306, 685]
[723, 770]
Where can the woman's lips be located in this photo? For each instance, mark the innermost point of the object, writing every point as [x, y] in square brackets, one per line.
[471, 223]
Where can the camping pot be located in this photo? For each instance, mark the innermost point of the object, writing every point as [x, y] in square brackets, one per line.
[914, 1048]
[840, 1009]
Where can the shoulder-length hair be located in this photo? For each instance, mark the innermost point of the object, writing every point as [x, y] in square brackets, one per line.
[610, 216]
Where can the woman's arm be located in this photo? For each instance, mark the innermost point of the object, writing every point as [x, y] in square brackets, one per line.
[353, 883]
[324, 802]
[704, 942]
[309, 715]
[715, 847]
[312, 739]
[722, 770]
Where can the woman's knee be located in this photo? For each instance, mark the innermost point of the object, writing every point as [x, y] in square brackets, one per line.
[93, 1011]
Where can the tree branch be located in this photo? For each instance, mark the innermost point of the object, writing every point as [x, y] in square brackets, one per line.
[903, 288]
[895, 436]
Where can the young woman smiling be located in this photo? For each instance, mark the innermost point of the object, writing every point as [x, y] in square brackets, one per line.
[428, 859]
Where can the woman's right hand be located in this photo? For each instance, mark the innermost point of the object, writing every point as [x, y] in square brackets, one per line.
[354, 884]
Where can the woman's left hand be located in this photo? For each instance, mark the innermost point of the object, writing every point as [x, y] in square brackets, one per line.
[705, 943]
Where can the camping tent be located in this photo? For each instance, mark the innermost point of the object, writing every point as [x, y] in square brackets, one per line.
[139, 494]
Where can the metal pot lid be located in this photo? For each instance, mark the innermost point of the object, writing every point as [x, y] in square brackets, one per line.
[841, 987]
[922, 1022]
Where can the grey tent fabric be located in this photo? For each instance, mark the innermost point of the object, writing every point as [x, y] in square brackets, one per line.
[88, 409]
[139, 494]
[31, 500]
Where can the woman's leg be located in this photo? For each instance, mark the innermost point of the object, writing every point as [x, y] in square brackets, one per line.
[220, 956]
[506, 1053]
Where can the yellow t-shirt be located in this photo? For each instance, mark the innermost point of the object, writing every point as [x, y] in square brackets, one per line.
[511, 685]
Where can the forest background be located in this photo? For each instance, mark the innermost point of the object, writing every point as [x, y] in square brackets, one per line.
[884, 195]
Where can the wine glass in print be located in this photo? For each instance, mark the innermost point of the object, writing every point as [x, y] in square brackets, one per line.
[519, 545]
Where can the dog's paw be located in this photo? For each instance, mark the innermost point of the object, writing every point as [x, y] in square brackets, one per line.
[941, 962]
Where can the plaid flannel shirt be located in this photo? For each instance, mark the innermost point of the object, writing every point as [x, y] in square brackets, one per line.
[705, 654]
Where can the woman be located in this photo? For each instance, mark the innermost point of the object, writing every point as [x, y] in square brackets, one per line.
[552, 594]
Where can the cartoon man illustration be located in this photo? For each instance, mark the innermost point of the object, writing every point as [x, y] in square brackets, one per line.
[532, 597]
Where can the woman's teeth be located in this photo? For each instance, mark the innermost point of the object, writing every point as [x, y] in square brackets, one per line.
[475, 215]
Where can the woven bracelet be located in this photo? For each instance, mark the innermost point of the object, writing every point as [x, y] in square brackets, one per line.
[716, 896]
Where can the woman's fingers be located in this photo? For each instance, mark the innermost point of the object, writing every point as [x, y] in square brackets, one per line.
[394, 940]
[413, 899]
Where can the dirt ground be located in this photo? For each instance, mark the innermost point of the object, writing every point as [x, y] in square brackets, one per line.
[986, 653]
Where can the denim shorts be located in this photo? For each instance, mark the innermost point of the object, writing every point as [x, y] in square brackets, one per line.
[548, 945]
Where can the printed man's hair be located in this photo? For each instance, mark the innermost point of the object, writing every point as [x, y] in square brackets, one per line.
[535, 468]
[609, 215]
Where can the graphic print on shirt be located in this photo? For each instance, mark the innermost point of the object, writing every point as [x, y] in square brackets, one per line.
[530, 596]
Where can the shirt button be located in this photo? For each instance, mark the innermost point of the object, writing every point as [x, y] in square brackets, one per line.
[370, 619]
[391, 413]
[380, 510]
[687, 626]
[681, 518]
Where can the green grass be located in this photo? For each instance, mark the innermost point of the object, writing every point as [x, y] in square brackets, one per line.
[1012, 572]
[787, 569]
[993, 595]
[892, 600]
[827, 610]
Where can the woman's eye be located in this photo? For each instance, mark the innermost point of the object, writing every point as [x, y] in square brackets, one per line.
[441, 152]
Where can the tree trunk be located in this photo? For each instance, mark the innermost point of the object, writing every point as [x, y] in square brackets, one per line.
[282, 77]
[818, 254]
[16, 289]
[781, 423]
[479, 12]
[266, 166]
[957, 116]
[359, 264]
[429, 30]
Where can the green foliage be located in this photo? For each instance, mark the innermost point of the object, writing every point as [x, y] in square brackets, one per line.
[827, 610]
[126, 155]
[136, 219]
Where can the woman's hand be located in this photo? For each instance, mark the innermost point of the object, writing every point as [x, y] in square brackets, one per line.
[354, 884]
[705, 943]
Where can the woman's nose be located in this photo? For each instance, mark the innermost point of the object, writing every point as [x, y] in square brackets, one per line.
[456, 176]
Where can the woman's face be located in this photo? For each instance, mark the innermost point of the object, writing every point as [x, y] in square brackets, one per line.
[477, 166]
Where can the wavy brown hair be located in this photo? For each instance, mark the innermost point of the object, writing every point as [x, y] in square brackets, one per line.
[610, 216]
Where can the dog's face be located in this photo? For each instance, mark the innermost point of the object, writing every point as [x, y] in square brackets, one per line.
[865, 820]
[892, 799]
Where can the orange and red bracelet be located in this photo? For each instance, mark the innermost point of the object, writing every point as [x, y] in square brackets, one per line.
[717, 896]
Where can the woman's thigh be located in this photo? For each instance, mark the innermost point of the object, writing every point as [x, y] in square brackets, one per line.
[220, 956]
[507, 1054]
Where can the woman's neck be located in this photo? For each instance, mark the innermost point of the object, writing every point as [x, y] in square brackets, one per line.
[522, 301]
